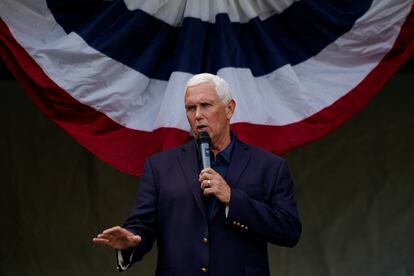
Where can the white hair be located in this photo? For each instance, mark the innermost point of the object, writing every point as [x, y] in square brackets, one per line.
[221, 86]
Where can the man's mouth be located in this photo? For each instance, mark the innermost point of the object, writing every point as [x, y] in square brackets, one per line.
[201, 128]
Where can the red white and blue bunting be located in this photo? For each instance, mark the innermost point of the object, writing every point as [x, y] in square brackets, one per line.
[112, 73]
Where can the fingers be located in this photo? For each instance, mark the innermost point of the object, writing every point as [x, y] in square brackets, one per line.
[211, 180]
[206, 184]
[117, 237]
[208, 170]
[208, 173]
[110, 233]
[209, 177]
[114, 230]
[100, 241]
[209, 191]
[135, 239]
[212, 183]
[106, 236]
[211, 188]
[216, 186]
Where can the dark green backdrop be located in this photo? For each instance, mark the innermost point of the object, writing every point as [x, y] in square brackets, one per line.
[355, 189]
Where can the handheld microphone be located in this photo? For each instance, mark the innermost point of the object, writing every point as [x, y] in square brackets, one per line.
[203, 141]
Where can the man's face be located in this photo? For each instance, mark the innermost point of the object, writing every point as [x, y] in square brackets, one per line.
[206, 112]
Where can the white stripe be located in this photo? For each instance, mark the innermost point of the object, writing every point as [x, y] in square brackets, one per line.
[173, 11]
[287, 95]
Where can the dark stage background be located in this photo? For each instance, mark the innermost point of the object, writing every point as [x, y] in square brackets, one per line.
[354, 187]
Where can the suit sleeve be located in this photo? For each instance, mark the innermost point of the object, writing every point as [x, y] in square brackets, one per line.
[143, 220]
[275, 218]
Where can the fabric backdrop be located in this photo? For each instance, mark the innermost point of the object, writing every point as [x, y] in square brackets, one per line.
[354, 188]
[112, 73]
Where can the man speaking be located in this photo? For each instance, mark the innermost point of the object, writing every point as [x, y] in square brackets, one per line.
[214, 203]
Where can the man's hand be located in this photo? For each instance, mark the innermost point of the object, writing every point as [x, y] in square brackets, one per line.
[212, 183]
[117, 238]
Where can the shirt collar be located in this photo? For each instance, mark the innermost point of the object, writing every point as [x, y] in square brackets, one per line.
[226, 153]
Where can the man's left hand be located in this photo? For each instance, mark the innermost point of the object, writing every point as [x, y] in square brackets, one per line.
[212, 183]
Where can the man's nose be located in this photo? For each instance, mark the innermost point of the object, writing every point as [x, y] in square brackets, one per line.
[198, 113]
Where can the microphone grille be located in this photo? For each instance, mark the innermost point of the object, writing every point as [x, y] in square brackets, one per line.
[203, 137]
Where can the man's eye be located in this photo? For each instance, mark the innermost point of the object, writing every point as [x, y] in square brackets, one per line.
[205, 104]
[190, 108]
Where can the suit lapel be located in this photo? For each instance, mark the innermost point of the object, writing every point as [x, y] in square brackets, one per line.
[239, 160]
[189, 165]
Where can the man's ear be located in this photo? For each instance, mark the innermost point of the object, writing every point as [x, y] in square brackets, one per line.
[231, 105]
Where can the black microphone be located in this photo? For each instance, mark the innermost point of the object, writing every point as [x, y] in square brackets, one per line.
[203, 141]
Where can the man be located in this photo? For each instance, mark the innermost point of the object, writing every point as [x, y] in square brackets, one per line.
[217, 221]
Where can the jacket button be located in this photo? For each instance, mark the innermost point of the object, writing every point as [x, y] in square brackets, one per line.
[205, 240]
[204, 269]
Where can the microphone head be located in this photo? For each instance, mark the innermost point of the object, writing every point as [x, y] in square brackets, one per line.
[203, 137]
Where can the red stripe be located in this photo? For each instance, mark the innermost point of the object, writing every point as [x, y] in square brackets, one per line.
[126, 149]
[121, 147]
[280, 139]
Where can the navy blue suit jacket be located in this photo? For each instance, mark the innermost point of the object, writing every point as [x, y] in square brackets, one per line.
[170, 208]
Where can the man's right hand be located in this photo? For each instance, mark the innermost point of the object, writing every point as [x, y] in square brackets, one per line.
[117, 238]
